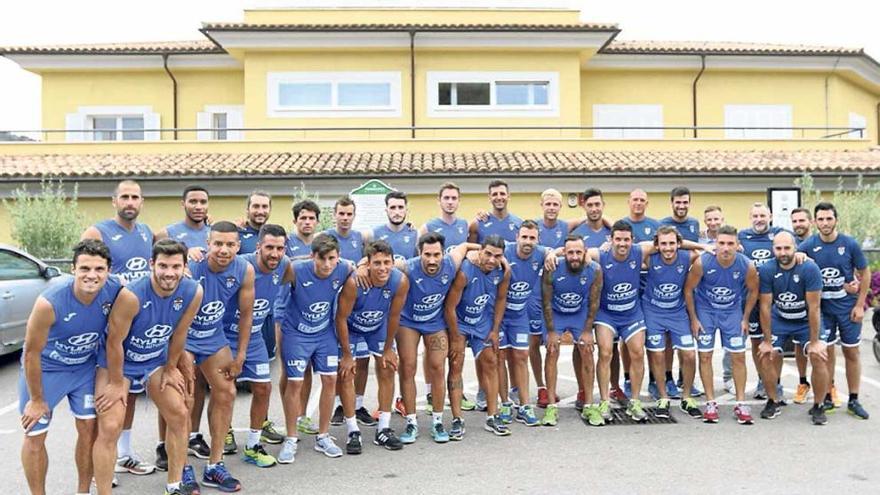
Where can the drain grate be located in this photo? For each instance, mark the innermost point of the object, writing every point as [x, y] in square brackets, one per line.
[620, 418]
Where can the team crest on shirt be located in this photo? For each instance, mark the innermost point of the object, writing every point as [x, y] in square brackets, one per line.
[632, 265]
[177, 304]
[680, 268]
[534, 265]
[444, 279]
[144, 236]
[559, 234]
[583, 280]
[335, 284]
[354, 243]
[647, 230]
[386, 293]
[496, 279]
[796, 278]
[692, 228]
[406, 238]
[737, 275]
[230, 282]
[460, 230]
[275, 279]
[841, 250]
[105, 308]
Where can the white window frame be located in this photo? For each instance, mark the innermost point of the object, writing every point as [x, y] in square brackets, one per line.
[492, 110]
[860, 121]
[334, 110]
[83, 119]
[234, 120]
[758, 116]
[619, 115]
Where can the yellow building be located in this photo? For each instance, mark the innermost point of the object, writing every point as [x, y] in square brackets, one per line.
[415, 97]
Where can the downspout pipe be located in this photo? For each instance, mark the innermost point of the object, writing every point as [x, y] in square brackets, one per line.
[173, 91]
[412, 84]
[694, 92]
[878, 124]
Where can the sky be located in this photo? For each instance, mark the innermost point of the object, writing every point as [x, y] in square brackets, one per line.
[42, 22]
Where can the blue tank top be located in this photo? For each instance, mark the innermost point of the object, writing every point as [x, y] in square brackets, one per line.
[296, 248]
[454, 234]
[350, 248]
[620, 289]
[722, 288]
[371, 308]
[182, 232]
[570, 301]
[593, 238]
[248, 238]
[266, 289]
[506, 227]
[664, 292]
[130, 252]
[838, 262]
[73, 339]
[476, 309]
[525, 279]
[644, 229]
[423, 309]
[218, 291]
[313, 300]
[758, 247]
[153, 325]
[789, 289]
[403, 243]
[552, 237]
[689, 229]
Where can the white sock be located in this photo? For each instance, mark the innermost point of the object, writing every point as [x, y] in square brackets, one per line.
[172, 486]
[351, 424]
[253, 438]
[437, 417]
[193, 435]
[294, 440]
[411, 419]
[322, 436]
[123, 445]
[337, 402]
[428, 386]
[384, 420]
[359, 402]
[210, 466]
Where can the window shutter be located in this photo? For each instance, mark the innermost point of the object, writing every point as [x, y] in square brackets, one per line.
[235, 120]
[152, 121]
[203, 122]
[76, 121]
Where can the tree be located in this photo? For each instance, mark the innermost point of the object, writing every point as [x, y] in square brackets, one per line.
[46, 224]
[858, 209]
[325, 221]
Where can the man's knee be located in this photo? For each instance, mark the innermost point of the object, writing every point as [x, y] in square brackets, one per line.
[686, 358]
[34, 444]
[328, 381]
[261, 390]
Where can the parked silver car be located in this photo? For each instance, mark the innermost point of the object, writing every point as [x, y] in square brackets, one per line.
[22, 279]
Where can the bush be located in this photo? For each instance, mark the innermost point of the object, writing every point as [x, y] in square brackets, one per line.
[325, 221]
[858, 209]
[46, 224]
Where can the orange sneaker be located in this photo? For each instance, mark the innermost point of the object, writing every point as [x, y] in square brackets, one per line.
[399, 407]
[800, 396]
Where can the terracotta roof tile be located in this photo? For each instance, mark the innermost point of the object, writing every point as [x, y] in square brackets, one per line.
[241, 26]
[723, 48]
[585, 163]
[134, 48]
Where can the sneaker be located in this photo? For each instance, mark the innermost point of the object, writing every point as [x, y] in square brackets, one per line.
[180, 490]
[550, 415]
[327, 446]
[743, 414]
[605, 411]
[198, 447]
[269, 434]
[689, 407]
[695, 392]
[817, 415]
[771, 410]
[580, 402]
[364, 417]
[672, 390]
[481, 404]
[218, 477]
[229, 446]
[617, 395]
[496, 426]
[834, 397]
[467, 404]
[526, 416]
[513, 395]
[780, 395]
[134, 465]
[456, 430]
[305, 425]
[653, 390]
[388, 439]
[410, 433]
[729, 386]
[288, 452]
[398, 406]
[635, 411]
[258, 456]
[855, 408]
[338, 418]
[828, 404]
[760, 393]
[161, 457]
[662, 410]
[438, 433]
[429, 405]
[710, 415]
[188, 480]
[592, 416]
[543, 397]
[627, 389]
[800, 395]
[506, 413]
[354, 445]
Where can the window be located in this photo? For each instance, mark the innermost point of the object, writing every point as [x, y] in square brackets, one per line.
[619, 118]
[856, 122]
[15, 267]
[493, 94]
[124, 123]
[116, 128]
[757, 121]
[219, 123]
[334, 94]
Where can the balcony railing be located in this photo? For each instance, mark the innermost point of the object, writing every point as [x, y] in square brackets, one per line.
[453, 132]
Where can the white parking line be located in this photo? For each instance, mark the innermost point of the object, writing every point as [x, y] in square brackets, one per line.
[9, 407]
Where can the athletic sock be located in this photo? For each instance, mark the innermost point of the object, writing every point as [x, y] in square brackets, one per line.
[295, 440]
[253, 438]
[411, 419]
[337, 402]
[160, 444]
[193, 435]
[626, 375]
[358, 401]
[209, 466]
[123, 445]
[669, 376]
[803, 381]
[428, 387]
[853, 397]
[828, 396]
[169, 487]
[322, 436]
[437, 417]
[352, 424]
[651, 378]
[384, 420]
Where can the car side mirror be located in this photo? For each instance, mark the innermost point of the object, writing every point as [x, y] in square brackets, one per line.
[51, 272]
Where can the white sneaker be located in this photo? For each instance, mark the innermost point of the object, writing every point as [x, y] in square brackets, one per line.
[134, 465]
[288, 452]
[729, 387]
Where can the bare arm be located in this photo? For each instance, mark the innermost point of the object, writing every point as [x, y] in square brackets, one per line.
[752, 286]
[37, 334]
[501, 301]
[547, 301]
[858, 311]
[595, 298]
[460, 252]
[178, 342]
[472, 231]
[246, 296]
[125, 308]
[452, 300]
[690, 285]
[396, 308]
[346, 303]
[766, 301]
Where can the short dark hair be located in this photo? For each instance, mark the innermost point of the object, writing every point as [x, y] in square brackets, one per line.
[590, 192]
[529, 224]
[432, 238]
[679, 191]
[825, 206]
[272, 229]
[261, 193]
[493, 240]
[126, 182]
[498, 183]
[91, 247]
[323, 244]
[666, 229]
[621, 226]
[573, 238]
[804, 210]
[343, 201]
[727, 230]
[395, 195]
[193, 188]
[306, 204]
[448, 185]
[378, 247]
[169, 247]
[224, 227]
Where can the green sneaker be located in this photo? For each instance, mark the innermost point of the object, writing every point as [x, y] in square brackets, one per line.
[258, 457]
[592, 416]
[270, 434]
[467, 404]
[429, 407]
[550, 415]
[229, 446]
[506, 413]
[604, 409]
[635, 411]
[305, 425]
